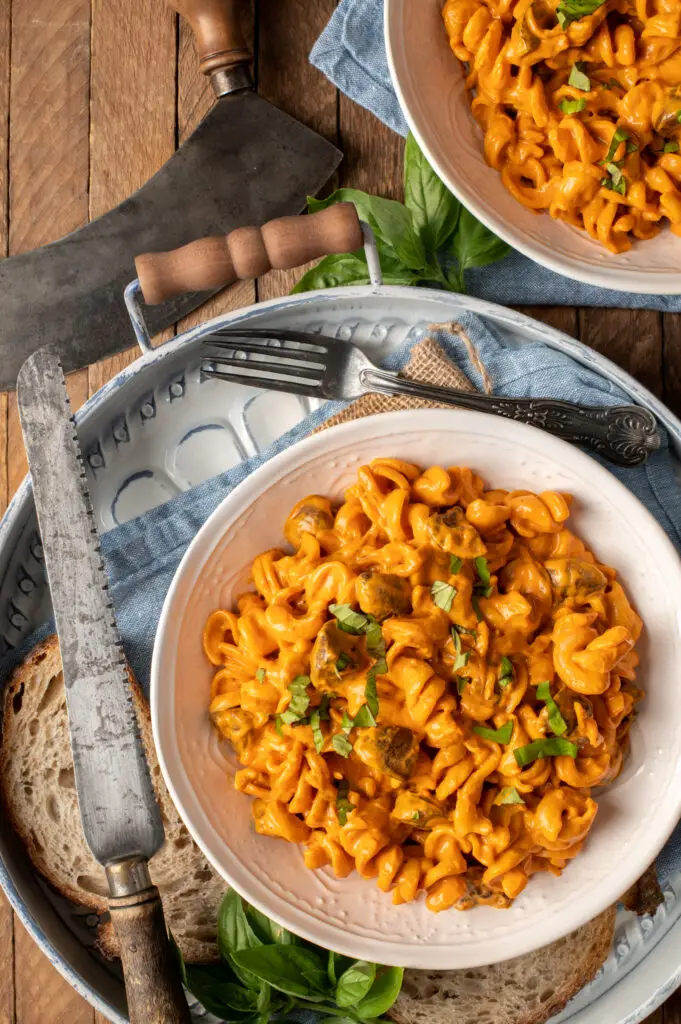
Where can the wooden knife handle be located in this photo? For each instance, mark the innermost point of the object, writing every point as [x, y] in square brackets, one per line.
[212, 263]
[152, 979]
[217, 30]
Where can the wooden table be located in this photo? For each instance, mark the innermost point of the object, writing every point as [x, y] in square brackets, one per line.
[95, 95]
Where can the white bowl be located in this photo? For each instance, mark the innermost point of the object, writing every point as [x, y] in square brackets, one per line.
[636, 814]
[430, 87]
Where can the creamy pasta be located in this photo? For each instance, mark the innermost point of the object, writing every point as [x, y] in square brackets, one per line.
[580, 105]
[427, 685]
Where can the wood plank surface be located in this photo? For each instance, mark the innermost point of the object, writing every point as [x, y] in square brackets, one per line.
[94, 97]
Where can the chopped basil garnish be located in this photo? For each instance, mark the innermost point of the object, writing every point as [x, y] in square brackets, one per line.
[551, 746]
[344, 806]
[502, 735]
[341, 744]
[364, 719]
[260, 675]
[465, 631]
[505, 672]
[572, 10]
[348, 619]
[278, 725]
[461, 683]
[508, 795]
[571, 106]
[671, 146]
[375, 641]
[324, 706]
[619, 136]
[443, 594]
[476, 607]
[343, 661]
[462, 657]
[416, 815]
[484, 587]
[317, 733]
[299, 702]
[557, 723]
[578, 78]
[455, 564]
[370, 692]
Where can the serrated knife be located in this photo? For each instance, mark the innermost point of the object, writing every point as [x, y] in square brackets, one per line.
[121, 819]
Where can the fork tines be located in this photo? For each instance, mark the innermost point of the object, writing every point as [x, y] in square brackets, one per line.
[285, 374]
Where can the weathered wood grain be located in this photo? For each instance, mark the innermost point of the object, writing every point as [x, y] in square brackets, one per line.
[42, 994]
[563, 318]
[133, 116]
[671, 1011]
[671, 330]
[287, 30]
[7, 1006]
[631, 338]
[373, 154]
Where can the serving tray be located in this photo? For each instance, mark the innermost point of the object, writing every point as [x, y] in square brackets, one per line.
[160, 427]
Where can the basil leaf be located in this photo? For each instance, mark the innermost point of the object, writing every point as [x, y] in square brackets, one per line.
[443, 594]
[324, 706]
[434, 210]
[572, 10]
[344, 806]
[671, 146]
[264, 1000]
[300, 700]
[371, 693]
[474, 245]
[235, 934]
[455, 564]
[375, 641]
[269, 931]
[217, 995]
[556, 721]
[505, 672]
[260, 675]
[502, 735]
[482, 569]
[571, 106]
[338, 964]
[508, 795]
[317, 734]
[467, 632]
[461, 683]
[335, 271]
[382, 993]
[343, 661]
[462, 657]
[278, 725]
[289, 969]
[348, 619]
[393, 222]
[618, 137]
[578, 78]
[355, 983]
[341, 744]
[364, 719]
[475, 604]
[552, 746]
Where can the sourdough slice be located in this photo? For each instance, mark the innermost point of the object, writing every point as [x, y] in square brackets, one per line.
[526, 990]
[38, 790]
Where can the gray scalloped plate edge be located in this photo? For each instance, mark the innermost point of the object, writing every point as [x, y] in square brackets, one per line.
[542, 332]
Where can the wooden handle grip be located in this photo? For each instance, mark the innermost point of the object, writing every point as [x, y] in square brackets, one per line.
[152, 982]
[216, 28]
[212, 263]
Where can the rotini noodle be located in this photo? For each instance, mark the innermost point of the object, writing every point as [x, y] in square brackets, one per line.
[428, 684]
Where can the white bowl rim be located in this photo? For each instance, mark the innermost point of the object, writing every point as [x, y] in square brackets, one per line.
[286, 914]
[571, 267]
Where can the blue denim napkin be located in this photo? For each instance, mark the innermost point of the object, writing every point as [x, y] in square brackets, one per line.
[351, 52]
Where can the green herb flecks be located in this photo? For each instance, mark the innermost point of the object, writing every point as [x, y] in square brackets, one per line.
[572, 10]
[508, 795]
[455, 564]
[300, 700]
[568, 106]
[343, 661]
[484, 587]
[502, 735]
[505, 672]
[443, 595]
[344, 806]
[341, 744]
[551, 746]
[317, 734]
[260, 675]
[578, 78]
[348, 619]
[462, 657]
[556, 721]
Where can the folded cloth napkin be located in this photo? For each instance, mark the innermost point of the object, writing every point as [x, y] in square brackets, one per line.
[351, 52]
[142, 555]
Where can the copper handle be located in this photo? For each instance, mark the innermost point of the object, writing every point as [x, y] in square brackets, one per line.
[212, 263]
[217, 30]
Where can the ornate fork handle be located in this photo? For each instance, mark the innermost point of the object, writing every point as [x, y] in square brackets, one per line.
[624, 434]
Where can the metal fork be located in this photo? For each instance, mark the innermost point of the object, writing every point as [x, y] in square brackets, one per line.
[321, 367]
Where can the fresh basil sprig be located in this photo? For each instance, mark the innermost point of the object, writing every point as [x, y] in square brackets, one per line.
[429, 239]
[266, 971]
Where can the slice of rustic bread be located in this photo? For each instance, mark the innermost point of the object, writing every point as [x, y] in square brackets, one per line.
[38, 789]
[526, 990]
[37, 785]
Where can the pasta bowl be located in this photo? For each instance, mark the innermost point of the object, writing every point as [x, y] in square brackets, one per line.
[430, 86]
[636, 813]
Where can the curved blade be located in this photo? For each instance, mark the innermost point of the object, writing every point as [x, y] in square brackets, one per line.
[117, 804]
[246, 163]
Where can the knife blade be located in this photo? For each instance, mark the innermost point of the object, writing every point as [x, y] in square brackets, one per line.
[120, 816]
[247, 163]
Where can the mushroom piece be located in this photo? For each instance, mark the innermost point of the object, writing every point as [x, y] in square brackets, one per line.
[571, 577]
[311, 515]
[452, 532]
[381, 594]
[333, 652]
[391, 749]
